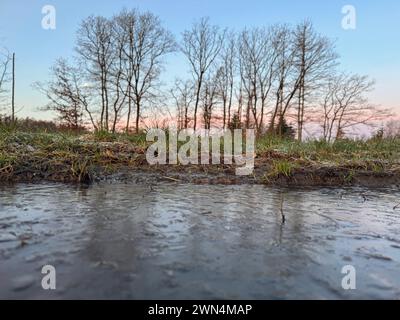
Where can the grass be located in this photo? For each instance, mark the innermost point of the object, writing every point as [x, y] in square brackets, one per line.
[67, 156]
[282, 168]
[372, 152]
[64, 156]
[353, 157]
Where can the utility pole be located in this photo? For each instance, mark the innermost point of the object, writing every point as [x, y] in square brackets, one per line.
[13, 90]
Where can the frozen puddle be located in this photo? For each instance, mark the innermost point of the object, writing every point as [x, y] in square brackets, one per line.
[198, 241]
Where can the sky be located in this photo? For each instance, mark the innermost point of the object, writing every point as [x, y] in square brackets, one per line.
[372, 48]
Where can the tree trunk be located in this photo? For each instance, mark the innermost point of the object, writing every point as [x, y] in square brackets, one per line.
[186, 116]
[230, 105]
[106, 97]
[137, 115]
[129, 109]
[197, 100]
[224, 103]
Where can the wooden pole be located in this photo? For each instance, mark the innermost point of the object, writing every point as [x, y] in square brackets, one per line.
[13, 91]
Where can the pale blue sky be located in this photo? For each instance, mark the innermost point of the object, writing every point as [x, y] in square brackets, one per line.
[373, 48]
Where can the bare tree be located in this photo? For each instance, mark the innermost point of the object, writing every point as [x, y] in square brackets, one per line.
[345, 105]
[201, 46]
[95, 53]
[123, 59]
[226, 76]
[157, 114]
[392, 129]
[287, 80]
[249, 63]
[209, 98]
[147, 44]
[66, 94]
[183, 96]
[315, 60]
[120, 75]
[126, 22]
[267, 72]
[257, 61]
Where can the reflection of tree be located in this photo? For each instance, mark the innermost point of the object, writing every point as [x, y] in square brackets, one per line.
[113, 229]
[8, 194]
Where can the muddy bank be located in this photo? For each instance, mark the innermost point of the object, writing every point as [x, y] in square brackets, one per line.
[323, 177]
[214, 174]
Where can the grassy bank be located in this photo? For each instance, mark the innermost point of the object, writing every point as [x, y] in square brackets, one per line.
[65, 156]
[70, 157]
